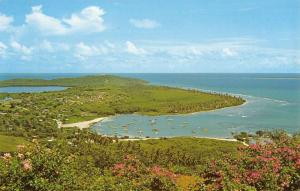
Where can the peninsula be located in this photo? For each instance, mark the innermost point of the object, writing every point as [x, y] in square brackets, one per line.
[91, 97]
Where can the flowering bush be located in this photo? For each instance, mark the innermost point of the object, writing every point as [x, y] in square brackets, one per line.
[156, 177]
[38, 168]
[261, 167]
[83, 165]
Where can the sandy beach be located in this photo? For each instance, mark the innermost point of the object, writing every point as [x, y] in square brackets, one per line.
[154, 138]
[213, 138]
[81, 125]
[144, 139]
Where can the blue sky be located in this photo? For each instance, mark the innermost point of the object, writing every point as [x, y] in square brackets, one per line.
[150, 36]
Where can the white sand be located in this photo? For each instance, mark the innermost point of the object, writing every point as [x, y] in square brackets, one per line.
[143, 139]
[81, 125]
[219, 139]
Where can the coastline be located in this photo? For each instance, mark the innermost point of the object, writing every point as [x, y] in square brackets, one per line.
[156, 138]
[87, 124]
[81, 125]
[211, 138]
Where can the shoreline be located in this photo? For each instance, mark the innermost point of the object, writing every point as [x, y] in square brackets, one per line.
[87, 124]
[157, 138]
[81, 125]
[211, 138]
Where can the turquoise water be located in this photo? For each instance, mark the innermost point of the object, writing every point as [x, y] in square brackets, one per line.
[273, 102]
[30, 89]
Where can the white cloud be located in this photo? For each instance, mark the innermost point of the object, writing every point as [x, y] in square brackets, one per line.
[144, 23]
[132, 49]
[3, 48]
[20, 48]
[46, 24]
[5, 22]
[89, 20]
[83, 51]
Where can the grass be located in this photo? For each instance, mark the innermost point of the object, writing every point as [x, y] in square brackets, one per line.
[198, 147]
[190, 144]
[10, 143]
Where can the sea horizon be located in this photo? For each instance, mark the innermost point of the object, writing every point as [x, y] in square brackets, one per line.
[272, 103]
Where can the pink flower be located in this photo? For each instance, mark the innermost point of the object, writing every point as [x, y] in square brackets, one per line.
[119, 166]
[253, 176]
[298, 163]
[27, 165]
[118, 169]
[268, 153]
[158, 171]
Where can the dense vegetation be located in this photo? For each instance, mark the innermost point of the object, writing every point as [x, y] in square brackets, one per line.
[37, 114]
[67, 159]
[81, 160]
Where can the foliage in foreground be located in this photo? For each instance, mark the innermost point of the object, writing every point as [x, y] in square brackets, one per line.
[91, 162]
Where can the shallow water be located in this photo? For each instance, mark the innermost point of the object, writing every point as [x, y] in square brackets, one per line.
[272, 103]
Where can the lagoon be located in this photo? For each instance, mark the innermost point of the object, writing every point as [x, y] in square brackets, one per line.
[30, 89]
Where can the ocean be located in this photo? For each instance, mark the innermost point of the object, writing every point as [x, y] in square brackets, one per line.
[273, 102]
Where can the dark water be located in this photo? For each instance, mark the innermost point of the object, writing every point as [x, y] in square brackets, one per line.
[273, 102]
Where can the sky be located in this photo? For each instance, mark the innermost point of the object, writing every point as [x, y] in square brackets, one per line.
[161, 36]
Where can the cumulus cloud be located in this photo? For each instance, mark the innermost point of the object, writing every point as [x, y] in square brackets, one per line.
[89, 20]
[144, 23]
[133, 49]
[83, 51]
[20, 48]
[23, 51]
[46, 24]
[5, 22]
[3, 48]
